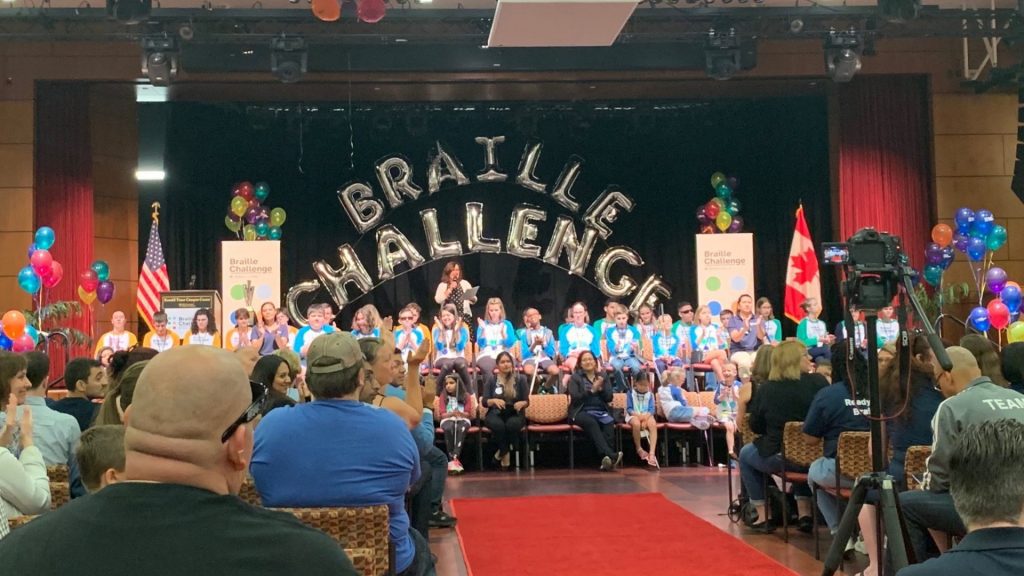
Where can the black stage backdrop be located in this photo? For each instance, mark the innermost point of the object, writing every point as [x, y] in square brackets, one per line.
[661, 153]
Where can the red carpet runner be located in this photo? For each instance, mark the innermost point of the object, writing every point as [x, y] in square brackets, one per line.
[598, 535]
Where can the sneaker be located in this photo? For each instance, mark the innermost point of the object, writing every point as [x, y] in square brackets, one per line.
[606, 464]
[441, 520]
[458, 466]
[618, 460]
[452, 468]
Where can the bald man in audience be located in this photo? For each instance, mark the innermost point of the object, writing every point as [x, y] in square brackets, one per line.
[970, 399]
[188, 442]
[248, 356]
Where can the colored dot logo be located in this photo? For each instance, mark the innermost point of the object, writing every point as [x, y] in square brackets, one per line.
[713, 283]
[738, 283]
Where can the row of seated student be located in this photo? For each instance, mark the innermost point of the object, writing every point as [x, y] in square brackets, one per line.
[930, 407]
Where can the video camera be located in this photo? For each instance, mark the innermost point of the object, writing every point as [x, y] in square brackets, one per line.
[875, 265]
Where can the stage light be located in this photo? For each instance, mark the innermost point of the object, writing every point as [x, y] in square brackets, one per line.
[129, 11]
[159, 59]
[722, 54]
[150, 175]
[288, 57]
[842, 54]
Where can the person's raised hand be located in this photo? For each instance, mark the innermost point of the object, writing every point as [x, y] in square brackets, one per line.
[387, 324]
[12, 410]
[416, 357]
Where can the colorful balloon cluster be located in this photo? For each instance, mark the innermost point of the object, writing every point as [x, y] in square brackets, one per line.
[16, 334]
[42, 269]
[94, 284]
[260, 223]
[721, 213]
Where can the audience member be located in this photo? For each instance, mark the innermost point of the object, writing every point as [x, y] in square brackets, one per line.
[100, 456]
[640, 417]
[833, 412]
[759, 373]
[188, 441]
[85, 379]
[120, 395]
[24, 486]
[1013, 365]
[104, 356]
[985, 468]
[120, 361]
[506, 396]
[55, 433]
[372, 458]
[247, 356]
[786, 397]
[970, 399]
[589, 408]
[456, 407]
[274, 373]
[987, 355]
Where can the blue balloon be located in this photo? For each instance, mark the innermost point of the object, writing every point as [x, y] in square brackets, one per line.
[979, 319]
[28, 280]
[976, 249]
[933, 274]
[44, 238]
[964, 218]
[1011, 297]
[5, 342]
[948, 255]
[984, 222]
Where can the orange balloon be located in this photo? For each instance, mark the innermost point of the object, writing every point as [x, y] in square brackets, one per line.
[86, 296]
[942, 235]
[14, 324]
[1014, 284]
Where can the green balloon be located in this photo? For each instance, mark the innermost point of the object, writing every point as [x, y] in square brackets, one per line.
[262, 191]
[996, 238]
[249, 232]
[734, 207]
[232, 225]
[723, 191]
[262, 229]
[275, 233]
[278, 216]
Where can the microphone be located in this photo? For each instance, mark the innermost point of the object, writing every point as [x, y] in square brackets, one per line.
[192, 282]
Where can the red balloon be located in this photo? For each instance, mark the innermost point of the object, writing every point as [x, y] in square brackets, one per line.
[41, 261]
[998, 314]
[88, 280]
[23, 343]
[712, 209]
[371, 11]
[56, 274]
[244, 189]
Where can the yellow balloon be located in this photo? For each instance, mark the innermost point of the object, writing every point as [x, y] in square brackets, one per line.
[723, 220]
[86, 297]
[1015, 332]
[239, 206]
[716, 179]
[233, 225]
[277, 217]
[249, 232]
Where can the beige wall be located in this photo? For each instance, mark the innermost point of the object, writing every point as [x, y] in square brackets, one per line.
[16, 175]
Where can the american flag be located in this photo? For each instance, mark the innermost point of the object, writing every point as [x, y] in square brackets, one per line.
[153, 277]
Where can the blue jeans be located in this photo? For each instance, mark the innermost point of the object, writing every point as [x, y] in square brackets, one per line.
[618, 364]
[422, 562]
[756, 469]
[822, 473]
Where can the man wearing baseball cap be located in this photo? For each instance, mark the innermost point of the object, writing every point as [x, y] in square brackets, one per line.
[337, 451]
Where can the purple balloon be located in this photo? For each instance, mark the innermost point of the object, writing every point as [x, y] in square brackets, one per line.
[960, 240]
[105, 292]
[263, 213]
[31, 248]
[737, 224]
[995, 279]
[252, 214]
[702, 216]
[933, 253]
[948, 255]
[733, 182]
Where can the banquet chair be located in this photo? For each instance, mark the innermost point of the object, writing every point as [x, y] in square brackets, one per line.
[358, 528]
[796, 450]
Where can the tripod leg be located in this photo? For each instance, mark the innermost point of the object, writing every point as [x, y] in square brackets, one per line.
[893, 526]
[846, 526]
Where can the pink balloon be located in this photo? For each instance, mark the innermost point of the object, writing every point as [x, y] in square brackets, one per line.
[88, 280]
[998, 314]
[41, 261]
[23, 343]
[56, 274]
[371, 11]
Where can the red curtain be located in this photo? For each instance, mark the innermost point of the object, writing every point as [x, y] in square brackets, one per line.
[884, 160]
[64, 195]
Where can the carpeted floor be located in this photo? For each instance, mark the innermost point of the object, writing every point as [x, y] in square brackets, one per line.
[598, 535]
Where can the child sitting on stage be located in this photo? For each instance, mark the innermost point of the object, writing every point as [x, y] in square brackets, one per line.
[366, 322]
[456, 407]
[726, 400]
[640, 417]
[673, 404]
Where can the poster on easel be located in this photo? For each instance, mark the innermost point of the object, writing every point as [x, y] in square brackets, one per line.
[725, 270]
[250, 275]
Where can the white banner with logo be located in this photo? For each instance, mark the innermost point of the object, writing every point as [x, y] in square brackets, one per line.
[725, 270]
[250, 275]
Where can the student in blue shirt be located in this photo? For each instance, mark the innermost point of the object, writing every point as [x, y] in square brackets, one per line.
[640, 417]
[667, 347]
[622, 347]
[366, 322]
[315, 328]
[577, 337]
[408, 336]
[537, 346]
[494, 335]
[450, 340]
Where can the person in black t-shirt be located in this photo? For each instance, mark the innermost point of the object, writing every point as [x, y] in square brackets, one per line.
[188, 442]
[85, 379]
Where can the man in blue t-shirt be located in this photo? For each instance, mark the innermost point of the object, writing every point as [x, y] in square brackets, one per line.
[355, 454]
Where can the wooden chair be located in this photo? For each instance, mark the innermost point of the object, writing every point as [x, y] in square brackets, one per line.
[60, 494]
[853, 460]
[914, 466]
[58, 473]
[798, 451]
[363, 559]
[362, 528]
[249, 494]
[549, 414]
[19, 521]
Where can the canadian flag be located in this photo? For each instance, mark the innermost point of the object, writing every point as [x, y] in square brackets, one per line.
[803, 280]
